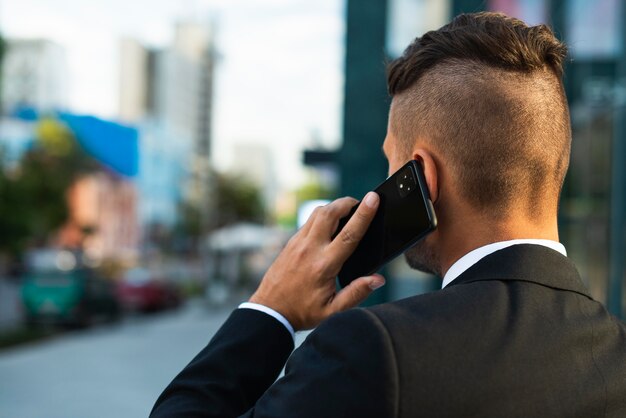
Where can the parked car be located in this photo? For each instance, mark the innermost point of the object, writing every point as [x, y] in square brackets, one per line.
[139, 290]
[57, 289]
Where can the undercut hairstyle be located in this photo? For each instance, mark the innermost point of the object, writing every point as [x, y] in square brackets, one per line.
[485, 90]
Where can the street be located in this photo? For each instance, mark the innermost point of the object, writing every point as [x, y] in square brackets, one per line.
[108, 371]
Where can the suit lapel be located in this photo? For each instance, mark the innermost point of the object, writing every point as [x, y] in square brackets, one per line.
[526, 262]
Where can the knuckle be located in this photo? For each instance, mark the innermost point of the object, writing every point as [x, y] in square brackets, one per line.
[363, 213]
[294, 239]
[320, 268]
[328, 210]
[293, 242]
[300, 251]
[349, 200]
[354, 296]
[341, 204]
[360, 293]
[316, 212]
[347, 236]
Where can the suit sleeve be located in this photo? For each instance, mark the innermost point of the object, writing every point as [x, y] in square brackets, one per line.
[230, 374]
[345, 368]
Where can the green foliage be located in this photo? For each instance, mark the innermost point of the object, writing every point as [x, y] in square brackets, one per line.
[287, 220]
[13, 227]
[34, 203]
[186, 233]
[24, 335]
[313, 190]
[233, 199]
[236, 200]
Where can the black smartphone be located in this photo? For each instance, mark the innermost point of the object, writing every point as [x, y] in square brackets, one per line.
[405, 215]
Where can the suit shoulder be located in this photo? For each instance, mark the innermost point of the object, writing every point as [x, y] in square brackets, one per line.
[357, 322]
[430, 312]
[348, 353]
[422, 304]
[355, 337]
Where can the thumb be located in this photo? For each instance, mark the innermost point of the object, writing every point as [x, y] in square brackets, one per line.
[356, 292]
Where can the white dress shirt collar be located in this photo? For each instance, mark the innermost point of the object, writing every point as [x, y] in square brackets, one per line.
[474, 256]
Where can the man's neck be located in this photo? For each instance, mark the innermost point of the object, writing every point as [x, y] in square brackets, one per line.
[467, 235]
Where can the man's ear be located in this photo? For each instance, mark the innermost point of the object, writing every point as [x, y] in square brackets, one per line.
[430, 171]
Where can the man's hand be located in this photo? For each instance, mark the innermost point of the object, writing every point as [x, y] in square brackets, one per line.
[300, 284]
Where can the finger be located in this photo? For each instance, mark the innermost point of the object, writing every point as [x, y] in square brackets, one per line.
[304, 229]
[348, 238]
[327, 219]
[356, 292]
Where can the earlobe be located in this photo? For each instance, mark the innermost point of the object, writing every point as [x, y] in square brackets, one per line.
[430, 172]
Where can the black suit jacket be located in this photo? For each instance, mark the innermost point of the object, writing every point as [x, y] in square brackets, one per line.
[516, 335]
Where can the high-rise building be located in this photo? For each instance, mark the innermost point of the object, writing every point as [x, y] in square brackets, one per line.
[173, 84]
[33, 75]
[183, 87]
[193, 49]
[134, 80]
[167, 94]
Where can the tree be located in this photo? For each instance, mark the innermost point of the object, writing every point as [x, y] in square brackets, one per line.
[237, 200]
[34, 203]
[234, 199]
[314, 189]
[13, 225]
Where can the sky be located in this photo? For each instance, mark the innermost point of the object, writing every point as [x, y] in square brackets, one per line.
[279, 77]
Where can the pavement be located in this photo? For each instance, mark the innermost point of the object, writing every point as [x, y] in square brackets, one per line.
[108, 371]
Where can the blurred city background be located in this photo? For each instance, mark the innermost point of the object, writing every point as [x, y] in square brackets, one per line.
[155, 156]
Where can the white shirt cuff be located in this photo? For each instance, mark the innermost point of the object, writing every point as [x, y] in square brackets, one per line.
[271, 312]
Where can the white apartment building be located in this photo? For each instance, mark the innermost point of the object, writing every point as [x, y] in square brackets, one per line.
[34, 75]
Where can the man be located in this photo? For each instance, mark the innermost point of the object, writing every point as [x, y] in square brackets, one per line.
[513, 332]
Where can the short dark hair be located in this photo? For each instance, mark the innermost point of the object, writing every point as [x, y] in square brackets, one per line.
[486, 89]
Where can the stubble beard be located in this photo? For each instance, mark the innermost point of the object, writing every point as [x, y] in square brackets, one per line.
[423, 257]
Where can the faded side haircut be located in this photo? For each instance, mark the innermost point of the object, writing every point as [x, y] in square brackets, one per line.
[486, 91]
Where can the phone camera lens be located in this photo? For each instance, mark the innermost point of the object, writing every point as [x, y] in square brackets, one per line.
[405, 182]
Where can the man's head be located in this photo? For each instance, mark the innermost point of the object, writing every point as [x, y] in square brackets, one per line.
[481, 101]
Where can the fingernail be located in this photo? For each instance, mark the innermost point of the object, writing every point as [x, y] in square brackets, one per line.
[377, 283]
[371, 200]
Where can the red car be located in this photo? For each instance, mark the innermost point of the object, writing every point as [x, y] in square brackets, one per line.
[140, 291]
